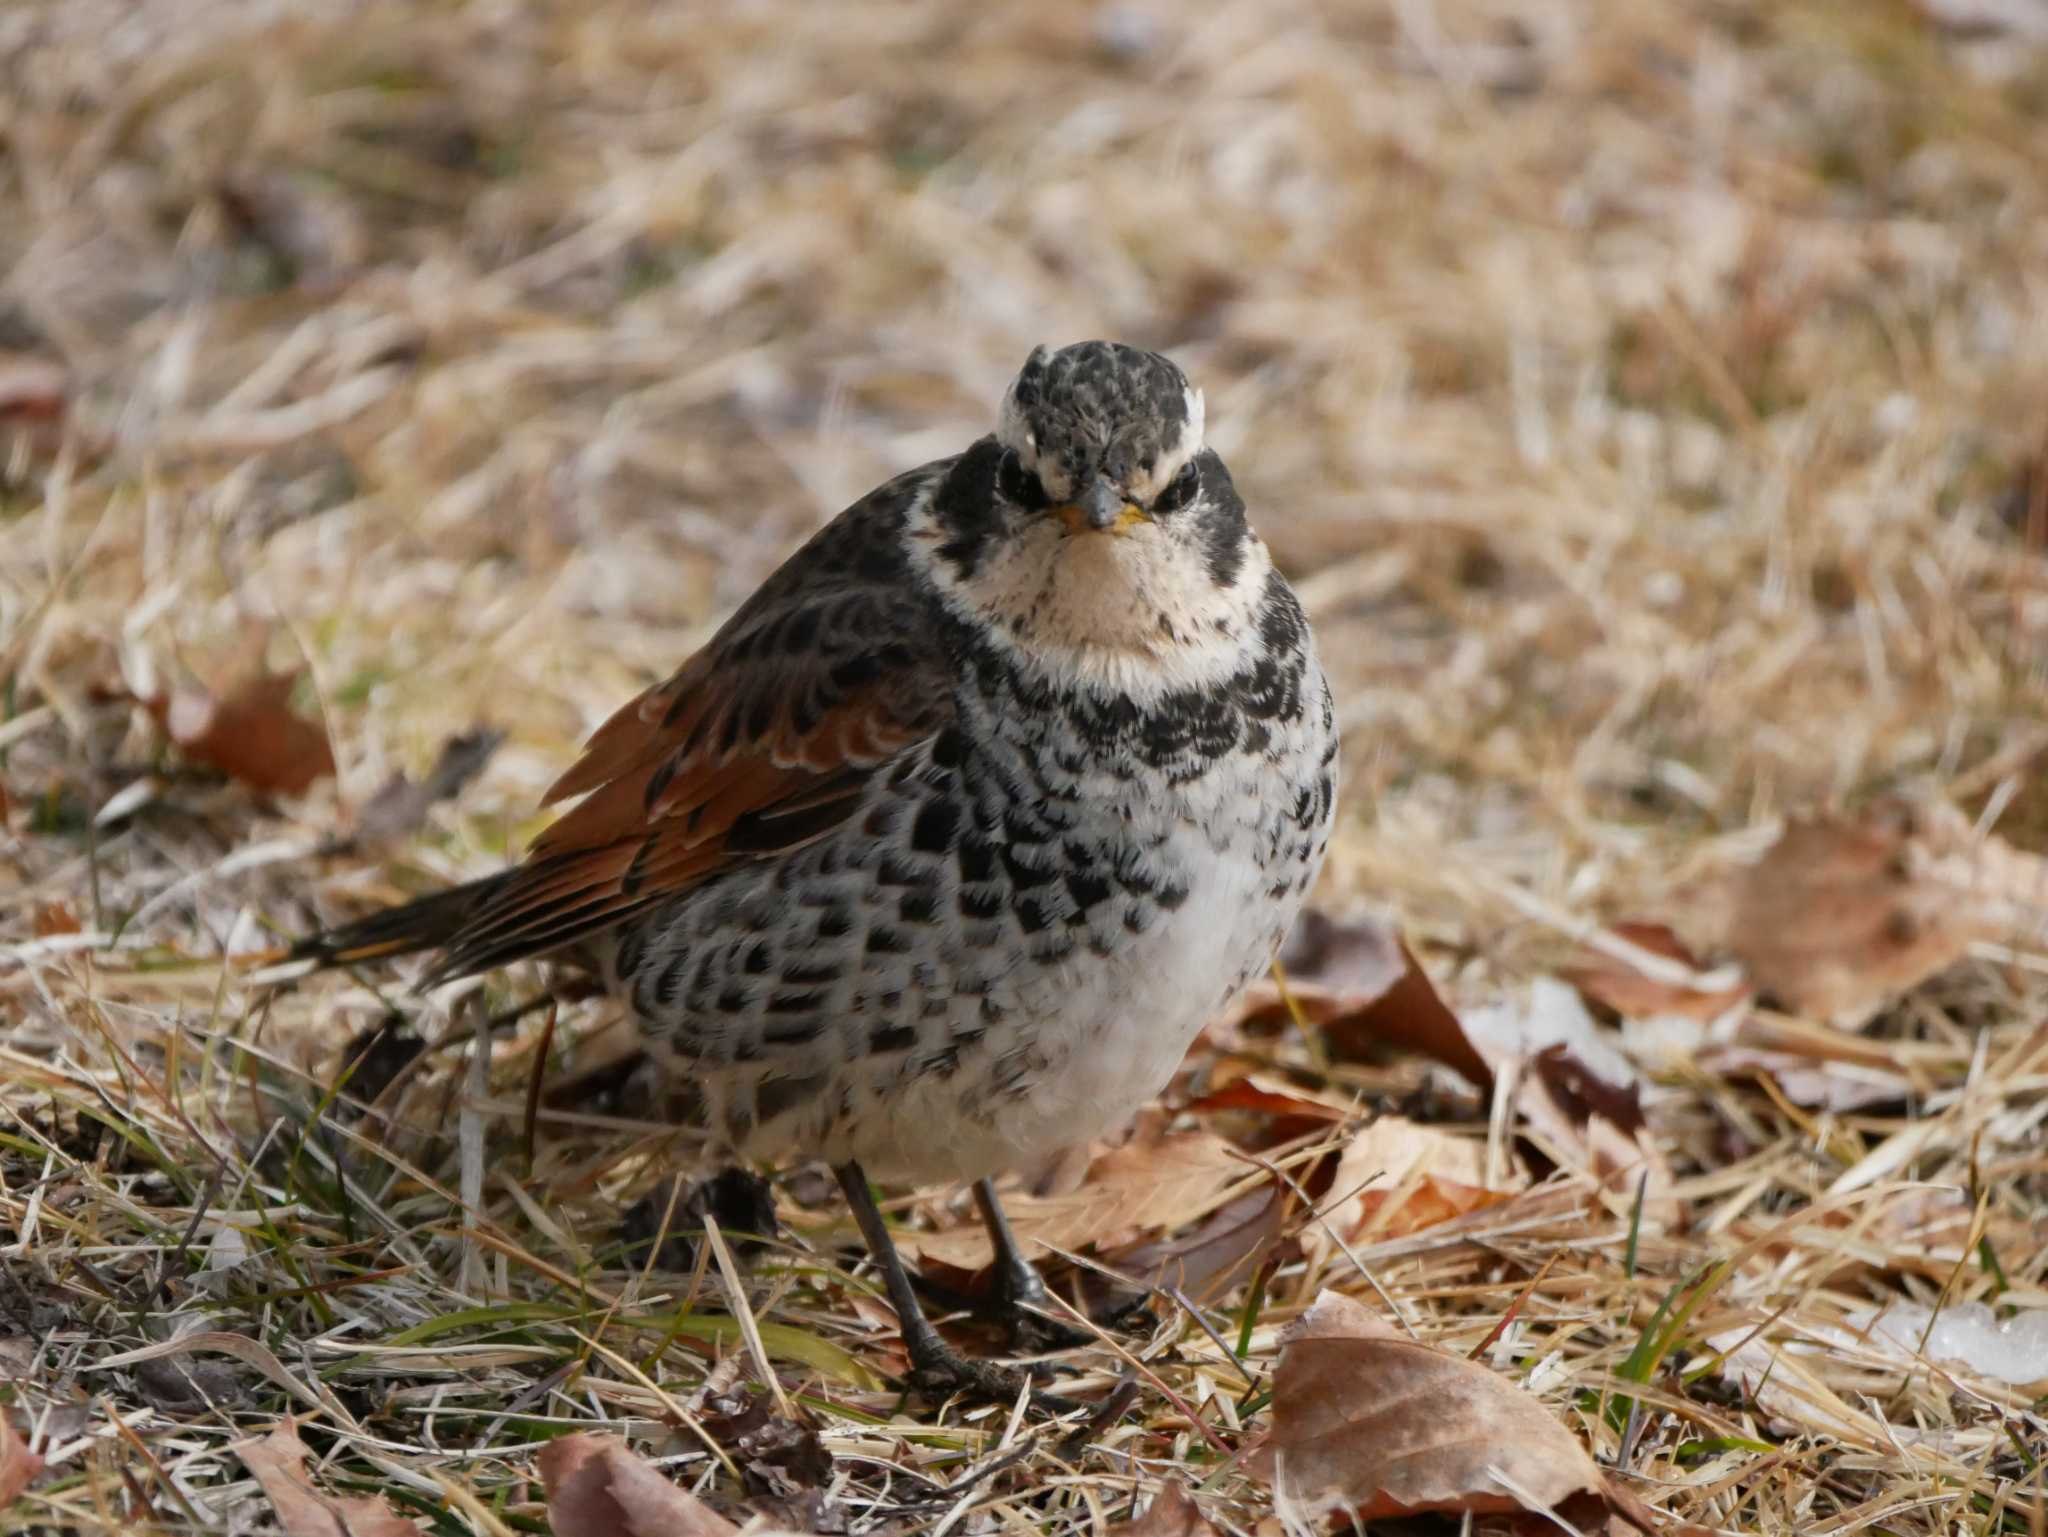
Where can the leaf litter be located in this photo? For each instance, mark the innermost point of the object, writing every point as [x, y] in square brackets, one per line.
[497, 388]
[1369, 1424]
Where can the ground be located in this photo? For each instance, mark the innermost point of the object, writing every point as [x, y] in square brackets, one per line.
[1648, 400]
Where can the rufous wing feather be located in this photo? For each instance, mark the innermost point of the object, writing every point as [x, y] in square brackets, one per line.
[756, 746]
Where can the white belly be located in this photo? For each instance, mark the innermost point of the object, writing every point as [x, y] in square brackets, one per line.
[1110, 1031]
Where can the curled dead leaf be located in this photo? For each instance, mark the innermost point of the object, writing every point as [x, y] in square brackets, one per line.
[1217, 1253]
[278, 1463]
[251, 733]
[597, 1486]
[1843, 914]
[1370, 1424]
[778, 1455]
[1633, 995]
[33, 389]
[1172, 1513]
[54, 918]
[1361, 986]
[1396, 1177]
[18, 1465]
[1576, 1095]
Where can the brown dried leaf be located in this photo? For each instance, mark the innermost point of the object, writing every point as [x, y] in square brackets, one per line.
[1172, 1513]
[1269, 1095]
[278, 1462]
[32, 389]
[251, 734]
[1634, 996]
[18, 1465]
[1844, 914]
[1396, 1177]
[1370, 1423]
[1216, 1253]
[1358, 981]
[1153, 1183]
[778, 1456]
[597, 1487]
[54, 918]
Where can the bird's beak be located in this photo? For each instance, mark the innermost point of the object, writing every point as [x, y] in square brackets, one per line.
[1101, 509]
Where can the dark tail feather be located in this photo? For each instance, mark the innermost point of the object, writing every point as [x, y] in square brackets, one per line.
[427, 924]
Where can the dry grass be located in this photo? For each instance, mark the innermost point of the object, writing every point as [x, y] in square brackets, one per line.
[1649, 398]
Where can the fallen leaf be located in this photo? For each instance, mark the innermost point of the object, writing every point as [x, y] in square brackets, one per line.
[1575, 1091]
[1221, 1250]
[1396, 1177]
[778, 1456]
[54, 918]
[1172, 1513]
[1361, 985]
[1633, 995]
[1369, 1423]
[278, 1462]
[1272, 1096]
[1572, 1087]
[597, 1487]
[18, 1465]
[402, 805]
[32, 389]
[1842, 915]
[250, 734]
[1152, 1183]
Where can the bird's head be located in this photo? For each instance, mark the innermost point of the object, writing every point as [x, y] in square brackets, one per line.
[1095, 519]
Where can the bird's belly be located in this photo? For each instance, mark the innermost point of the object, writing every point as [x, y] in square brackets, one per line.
[1088, 1038]
[872, 1003]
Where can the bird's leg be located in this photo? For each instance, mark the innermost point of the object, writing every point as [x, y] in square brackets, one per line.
[935, 1366]
[1027, 1307]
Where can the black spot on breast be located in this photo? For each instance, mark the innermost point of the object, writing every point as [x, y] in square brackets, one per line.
[883, 940]
[756, 962]
[812, 973]
[793, 1033]
[936, 824]
[918, 907]
[835, 923]
[977, 861]
[980, 902]
[888, 1038]
[1086, 889]
[807, 1002]
[1025, 877]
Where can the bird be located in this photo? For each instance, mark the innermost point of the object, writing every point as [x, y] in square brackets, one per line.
[936, 857]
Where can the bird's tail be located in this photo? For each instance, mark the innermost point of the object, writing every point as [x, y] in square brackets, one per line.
[426, 924]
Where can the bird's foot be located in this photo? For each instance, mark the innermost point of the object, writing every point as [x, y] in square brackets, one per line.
[1022, 1303]
[938, 1371]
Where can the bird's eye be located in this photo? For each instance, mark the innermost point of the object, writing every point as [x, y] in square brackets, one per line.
[1180, 490]
[1019, 486]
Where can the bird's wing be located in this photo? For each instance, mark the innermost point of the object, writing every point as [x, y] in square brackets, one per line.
[761, 742]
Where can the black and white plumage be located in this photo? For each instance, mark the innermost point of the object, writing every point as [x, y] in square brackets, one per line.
[939, 854]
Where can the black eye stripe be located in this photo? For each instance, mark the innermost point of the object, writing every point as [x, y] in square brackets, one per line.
[1019, 485]
[1180, 490]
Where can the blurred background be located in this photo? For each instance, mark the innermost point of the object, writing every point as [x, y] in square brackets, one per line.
[1647, 397]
